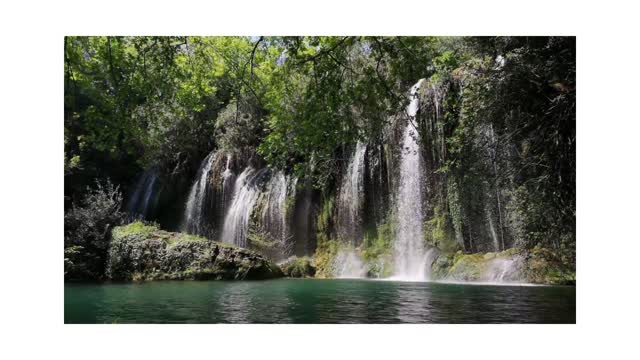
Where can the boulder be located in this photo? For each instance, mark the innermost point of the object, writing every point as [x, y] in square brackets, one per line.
[298, 267]
[144, 252]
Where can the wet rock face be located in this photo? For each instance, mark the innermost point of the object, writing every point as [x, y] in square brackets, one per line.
[153, 254]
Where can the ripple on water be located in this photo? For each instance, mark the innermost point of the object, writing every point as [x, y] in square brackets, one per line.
[318, 301]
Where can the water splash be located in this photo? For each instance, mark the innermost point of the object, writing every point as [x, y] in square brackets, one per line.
[236, 222]
[144, 195]
[504, 270]
[350, 197]
[193, 219]
[348, 265]
[411, 261]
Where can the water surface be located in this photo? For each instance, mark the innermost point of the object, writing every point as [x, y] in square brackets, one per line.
[316, 301]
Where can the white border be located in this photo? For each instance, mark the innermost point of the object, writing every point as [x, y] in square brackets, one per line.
[31, 191]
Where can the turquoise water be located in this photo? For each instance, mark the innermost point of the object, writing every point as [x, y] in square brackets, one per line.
[316, 301]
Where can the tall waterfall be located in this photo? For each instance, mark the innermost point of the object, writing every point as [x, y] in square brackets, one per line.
[236, 221]
[274, 215]
[410, 258]
[350, 197]
[144, 195]
[193, 218]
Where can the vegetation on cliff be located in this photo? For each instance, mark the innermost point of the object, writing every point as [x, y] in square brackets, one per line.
[496, 127]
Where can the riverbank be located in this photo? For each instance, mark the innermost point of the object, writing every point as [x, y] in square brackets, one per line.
[141, 252]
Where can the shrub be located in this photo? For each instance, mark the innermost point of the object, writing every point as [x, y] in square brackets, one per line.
[299, 267]
[87, 231]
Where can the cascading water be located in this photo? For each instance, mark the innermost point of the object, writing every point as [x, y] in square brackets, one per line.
[503, 270]
[228, 180]
[144, 195]
[193, 219]
[492, 230]
[302, 219]
[410, 258]
[274, 215]
[350, 197]
[348, 265]
[236, 222]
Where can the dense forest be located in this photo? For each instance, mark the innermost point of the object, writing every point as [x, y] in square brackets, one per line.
[322, 148]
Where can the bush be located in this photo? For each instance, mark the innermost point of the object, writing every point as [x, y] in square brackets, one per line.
[299, 267]
[87, 231]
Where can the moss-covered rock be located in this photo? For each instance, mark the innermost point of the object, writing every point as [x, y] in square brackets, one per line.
[547, 267]
[144, 252]
[299, 267]
[380, 267]
[536, 266]
[325, 253]
[441, 265]
[467, 267]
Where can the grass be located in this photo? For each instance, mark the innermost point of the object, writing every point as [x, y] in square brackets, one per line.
[134, 228]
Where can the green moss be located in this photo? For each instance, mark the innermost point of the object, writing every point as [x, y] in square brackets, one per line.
[144, 252]
[189, 237]
[455, 209]
[326, 251]
[134, 228]
[547, 267]
[261, 240]
[438, 230]
[467, 267]
[537, 265]
[327, 248]
[378, 241]
[442, 264]
[324, 216]
[299, 267]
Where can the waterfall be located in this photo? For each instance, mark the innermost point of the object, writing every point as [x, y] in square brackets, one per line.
[193, 219]
[492, 231]
[348, 265]
[228, 180]
[145, 192]
[350, 197]
[236, 222]
[301, 219]
[274, 216]
[502, 270]
[411, 261]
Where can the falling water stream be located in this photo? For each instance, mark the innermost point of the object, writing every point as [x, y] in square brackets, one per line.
[275, 213]
[236, 221]
[193, 219]
[410, 257]
[350, 197]
[144, 195]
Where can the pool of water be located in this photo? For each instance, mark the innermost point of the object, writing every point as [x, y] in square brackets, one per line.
[316, 301]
